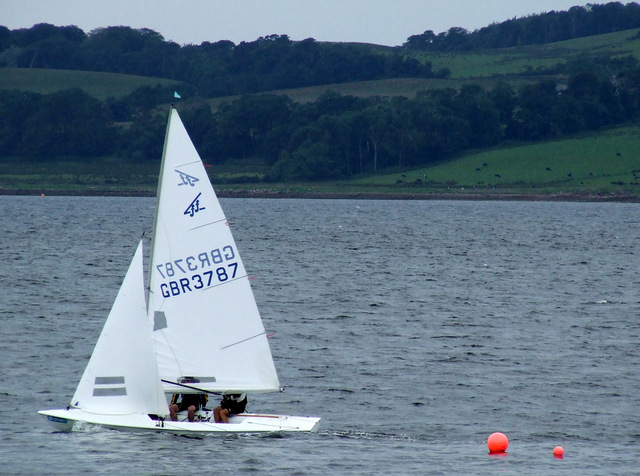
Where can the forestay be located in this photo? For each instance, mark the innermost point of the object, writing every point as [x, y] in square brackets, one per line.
[205, 319]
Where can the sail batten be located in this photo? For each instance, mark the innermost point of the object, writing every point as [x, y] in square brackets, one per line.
[187, 163]
[229, 281]
[243, 340]
[208, 224]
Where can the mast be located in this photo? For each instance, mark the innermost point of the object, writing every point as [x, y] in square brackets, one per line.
[157, 207]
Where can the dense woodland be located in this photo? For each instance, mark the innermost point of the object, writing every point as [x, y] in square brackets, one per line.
[549, 27]
[336, 136]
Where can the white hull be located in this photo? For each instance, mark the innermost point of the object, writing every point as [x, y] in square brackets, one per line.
[64, 420]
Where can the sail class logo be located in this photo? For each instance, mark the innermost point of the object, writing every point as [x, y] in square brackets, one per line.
[186, 179]
[194, 207]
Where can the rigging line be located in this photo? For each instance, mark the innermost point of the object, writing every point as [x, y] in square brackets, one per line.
[190, 387]
[243, 340]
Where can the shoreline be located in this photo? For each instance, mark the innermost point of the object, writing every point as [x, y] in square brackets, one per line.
[263, 193]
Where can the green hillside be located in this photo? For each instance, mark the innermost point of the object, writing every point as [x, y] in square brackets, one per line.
[606, 162]
[535, 60]
[99, 85]
[603, 163]
[600, 166]
[513, 65]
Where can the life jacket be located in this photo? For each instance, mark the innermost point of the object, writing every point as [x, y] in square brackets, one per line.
[177, 399]
[235, 403]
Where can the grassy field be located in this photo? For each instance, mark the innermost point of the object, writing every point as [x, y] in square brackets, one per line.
[514, 65]
[598, 166]
[608, 162]
[110, 175]
[104, 175]
[99, 85]
[407, 87]
[507, 62]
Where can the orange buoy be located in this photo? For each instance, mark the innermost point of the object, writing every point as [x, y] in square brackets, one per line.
[497, 442]
[558, 452]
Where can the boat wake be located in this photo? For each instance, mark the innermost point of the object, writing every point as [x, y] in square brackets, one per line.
[366, 435]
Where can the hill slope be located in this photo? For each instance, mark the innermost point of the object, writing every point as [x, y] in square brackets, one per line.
[604, 162]
[99, 85]
[513, 65]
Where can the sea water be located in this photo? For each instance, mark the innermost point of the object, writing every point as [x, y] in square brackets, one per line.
[415, 329]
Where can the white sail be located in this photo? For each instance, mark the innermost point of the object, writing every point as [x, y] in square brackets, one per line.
[121, 376]
[205, 319]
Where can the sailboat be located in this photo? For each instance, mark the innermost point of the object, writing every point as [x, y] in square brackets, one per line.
[194, 327]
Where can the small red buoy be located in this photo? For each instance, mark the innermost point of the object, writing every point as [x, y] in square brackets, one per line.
[558, 452]
[497, 442]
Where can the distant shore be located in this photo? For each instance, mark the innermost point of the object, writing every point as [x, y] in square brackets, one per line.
[263, 193]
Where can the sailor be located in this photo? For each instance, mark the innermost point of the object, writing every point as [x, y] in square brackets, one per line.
[189, 402]
[231, 404]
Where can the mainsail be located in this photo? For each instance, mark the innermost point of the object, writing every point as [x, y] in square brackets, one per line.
[121, 376]
[206, 324]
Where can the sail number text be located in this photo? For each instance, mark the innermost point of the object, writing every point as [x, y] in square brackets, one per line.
[183, 271]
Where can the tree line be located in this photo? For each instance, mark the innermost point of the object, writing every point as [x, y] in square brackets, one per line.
[275, 62]
[336, 136]
[577, 22]
[209, 69]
